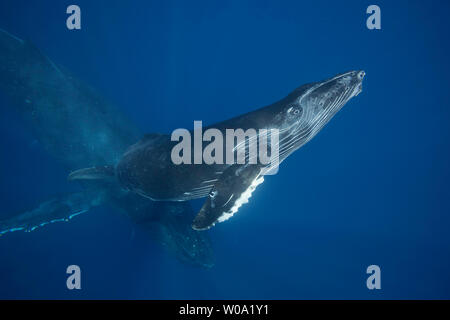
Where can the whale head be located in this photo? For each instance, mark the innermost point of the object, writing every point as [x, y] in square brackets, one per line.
[309, 108]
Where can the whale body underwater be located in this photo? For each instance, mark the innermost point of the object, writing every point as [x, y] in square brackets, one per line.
[147, 168]
[78, 127]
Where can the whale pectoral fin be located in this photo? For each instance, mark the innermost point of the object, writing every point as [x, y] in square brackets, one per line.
[234, 188]
[93, 173]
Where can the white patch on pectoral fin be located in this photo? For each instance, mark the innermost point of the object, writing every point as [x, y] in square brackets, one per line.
[241, 200]
[234, 188]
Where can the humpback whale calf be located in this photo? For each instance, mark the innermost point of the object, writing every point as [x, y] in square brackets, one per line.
[80, 128]
[147, 168]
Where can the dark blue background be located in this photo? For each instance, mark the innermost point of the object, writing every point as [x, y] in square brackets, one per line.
[371, 188]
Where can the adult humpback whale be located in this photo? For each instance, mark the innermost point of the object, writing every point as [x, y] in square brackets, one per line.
[146, 168]
[77, 126]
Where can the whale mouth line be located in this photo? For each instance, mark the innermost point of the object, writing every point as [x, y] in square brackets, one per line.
[358, 90]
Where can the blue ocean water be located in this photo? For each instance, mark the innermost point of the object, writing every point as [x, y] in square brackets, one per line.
[371, 188]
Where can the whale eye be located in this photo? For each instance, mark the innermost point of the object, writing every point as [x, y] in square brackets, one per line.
[295, 111]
